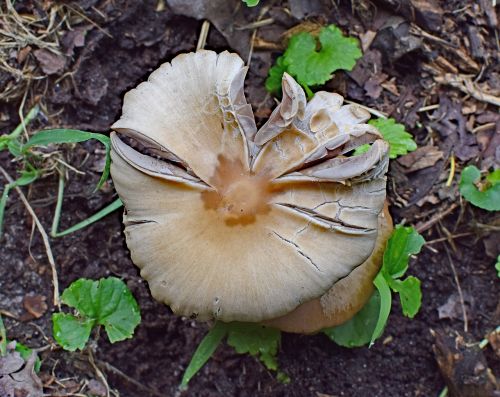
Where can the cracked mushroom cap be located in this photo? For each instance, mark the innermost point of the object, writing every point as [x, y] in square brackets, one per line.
[345, 298]
[230, 223]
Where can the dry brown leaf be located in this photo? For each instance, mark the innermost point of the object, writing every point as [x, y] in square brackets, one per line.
[49, 62]
[423, 157]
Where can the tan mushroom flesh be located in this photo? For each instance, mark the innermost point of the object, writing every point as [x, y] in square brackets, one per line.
[230, 223]
[345, 298]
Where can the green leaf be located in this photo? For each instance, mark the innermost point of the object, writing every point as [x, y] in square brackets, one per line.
[358, 330]
[107, 302]
[314, 67]
[493, 178]
[256, 340]
[497, 266]
[204, 351]
[489, 198]
[410, 295]
[47, 137]
[26, 353]
[385, 306]
[71, 332]
[251, 3]
[400, 141]
[404, 241]
[273, 81]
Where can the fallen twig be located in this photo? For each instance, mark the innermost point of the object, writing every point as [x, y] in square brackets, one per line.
[465, 84]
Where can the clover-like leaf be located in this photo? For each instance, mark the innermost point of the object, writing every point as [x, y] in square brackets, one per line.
[312, 61]
[312, 66]
[489, 197]
[106, 302]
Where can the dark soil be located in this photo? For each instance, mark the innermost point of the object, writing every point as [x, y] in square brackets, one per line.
[133, 40]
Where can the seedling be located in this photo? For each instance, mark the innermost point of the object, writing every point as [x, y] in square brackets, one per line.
[497, 266]
[488, 195]
[29, 173]
[310, 66]
[246, 338]
[107, 302]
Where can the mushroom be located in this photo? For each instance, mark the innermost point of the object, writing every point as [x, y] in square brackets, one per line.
[234, 224]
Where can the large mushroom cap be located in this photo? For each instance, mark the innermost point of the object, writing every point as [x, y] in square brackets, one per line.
[230, 223]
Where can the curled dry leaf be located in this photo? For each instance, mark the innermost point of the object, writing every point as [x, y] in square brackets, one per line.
[18, 377]
[230, 223]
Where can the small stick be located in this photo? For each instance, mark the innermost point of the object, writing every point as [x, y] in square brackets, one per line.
[436, 218]
[441, 239]
[108, 367]
[57, 212]
[452, 171]
[45, 238]
[98, 372]
[457, 283]
[202, 39]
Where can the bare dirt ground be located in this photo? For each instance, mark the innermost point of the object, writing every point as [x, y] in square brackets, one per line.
[96, 50]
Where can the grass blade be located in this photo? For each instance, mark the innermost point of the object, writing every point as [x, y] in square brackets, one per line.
[94, 218]
[385, 306]
[204, 351]
[47, 137]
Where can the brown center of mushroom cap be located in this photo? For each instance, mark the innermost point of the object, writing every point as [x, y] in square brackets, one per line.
[238, 195]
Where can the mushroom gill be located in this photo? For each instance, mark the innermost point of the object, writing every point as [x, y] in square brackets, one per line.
[230, 223]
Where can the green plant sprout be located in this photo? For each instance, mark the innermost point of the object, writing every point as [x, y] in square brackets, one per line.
[107, 302]
[310, 66]
[400, 141]
[368, 324]
[497, 266]
[487, 196]
[404, 242]
[29, 173]
[254, 339]
[364, 328]
[75, 136]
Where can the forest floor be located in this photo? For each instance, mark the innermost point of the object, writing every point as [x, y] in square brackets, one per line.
[95, 50]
